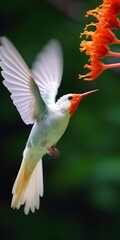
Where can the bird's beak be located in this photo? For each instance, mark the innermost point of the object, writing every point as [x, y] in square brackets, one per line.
[87, 93]
[77, 99]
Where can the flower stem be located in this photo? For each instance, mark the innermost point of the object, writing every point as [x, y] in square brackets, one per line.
[113, 54]
[113, 65]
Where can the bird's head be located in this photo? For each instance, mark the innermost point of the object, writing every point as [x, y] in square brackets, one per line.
[69, 102]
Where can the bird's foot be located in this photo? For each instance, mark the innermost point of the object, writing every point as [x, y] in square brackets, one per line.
[54, 152]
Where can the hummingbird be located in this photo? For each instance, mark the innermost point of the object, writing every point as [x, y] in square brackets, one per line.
[34, 94]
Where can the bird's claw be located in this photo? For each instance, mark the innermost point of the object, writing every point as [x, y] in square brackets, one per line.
[54, 152]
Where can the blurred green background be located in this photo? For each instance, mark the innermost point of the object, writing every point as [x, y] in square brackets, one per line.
[81, 187]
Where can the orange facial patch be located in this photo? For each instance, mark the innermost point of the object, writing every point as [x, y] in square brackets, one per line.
[76, 98]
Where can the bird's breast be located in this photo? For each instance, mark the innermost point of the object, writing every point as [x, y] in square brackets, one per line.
[48, 131]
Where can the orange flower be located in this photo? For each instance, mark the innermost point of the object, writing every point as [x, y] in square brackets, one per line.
[104, 36]
[97, 47]
[106, 13]
[96, 68]
[114, 5]
[93, 49]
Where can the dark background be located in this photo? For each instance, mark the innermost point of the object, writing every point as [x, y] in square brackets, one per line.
[81, 187]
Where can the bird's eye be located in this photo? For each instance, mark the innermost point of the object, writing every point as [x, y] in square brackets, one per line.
[70, 98]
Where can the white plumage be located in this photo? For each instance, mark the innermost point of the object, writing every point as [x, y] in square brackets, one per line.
[26, 88]
[33, 93]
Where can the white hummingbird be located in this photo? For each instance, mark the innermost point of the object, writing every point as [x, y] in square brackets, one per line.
[33, 93]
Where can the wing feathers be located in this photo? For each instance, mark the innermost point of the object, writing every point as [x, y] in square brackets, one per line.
[14, 73]
[12, 52]
[47, 70]
[25, 92]
[19, 81]
[12, 62]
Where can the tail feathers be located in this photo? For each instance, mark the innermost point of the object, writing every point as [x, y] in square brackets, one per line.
[34, 189]
[28, 187]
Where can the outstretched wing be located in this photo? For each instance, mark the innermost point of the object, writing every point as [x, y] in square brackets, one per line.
[47, 71]
[19, 81]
